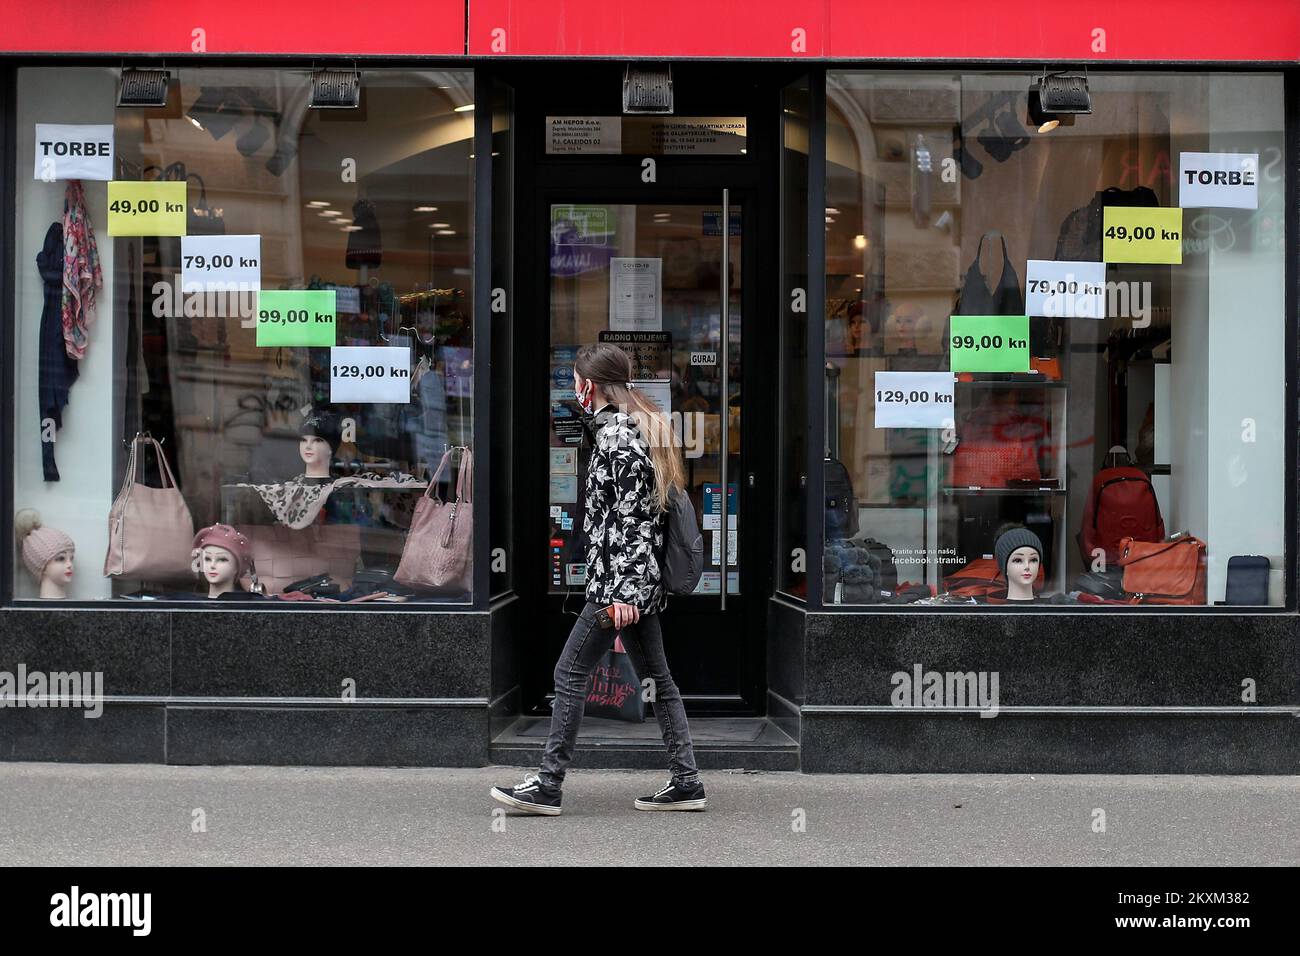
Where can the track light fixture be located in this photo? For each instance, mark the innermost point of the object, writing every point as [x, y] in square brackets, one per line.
[142, 88]
[1056, 98]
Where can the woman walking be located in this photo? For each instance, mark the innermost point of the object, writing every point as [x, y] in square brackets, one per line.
[634, 465]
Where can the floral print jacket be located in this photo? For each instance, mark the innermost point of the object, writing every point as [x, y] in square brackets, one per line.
[622, 522]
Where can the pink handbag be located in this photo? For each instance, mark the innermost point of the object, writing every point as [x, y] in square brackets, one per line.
[439, 551]
[150, 530]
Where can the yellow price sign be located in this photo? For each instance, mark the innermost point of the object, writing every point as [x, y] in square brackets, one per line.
[146, 208]
[1142, 234]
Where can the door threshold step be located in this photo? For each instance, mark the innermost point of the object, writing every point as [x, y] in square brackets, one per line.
[751, 743]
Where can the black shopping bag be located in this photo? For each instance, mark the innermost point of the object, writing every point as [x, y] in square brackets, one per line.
[613, 689]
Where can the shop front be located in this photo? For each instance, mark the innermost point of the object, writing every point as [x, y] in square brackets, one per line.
[981, 368]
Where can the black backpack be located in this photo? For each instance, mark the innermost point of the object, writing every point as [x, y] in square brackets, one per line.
[841, 505]
[683, 563]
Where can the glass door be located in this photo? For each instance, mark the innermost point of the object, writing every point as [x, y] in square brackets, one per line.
[649, 277]
[665, 281]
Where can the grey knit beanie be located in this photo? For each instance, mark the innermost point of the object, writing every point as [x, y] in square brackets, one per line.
[1009, 541]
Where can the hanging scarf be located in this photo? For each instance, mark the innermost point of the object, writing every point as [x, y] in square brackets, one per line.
[81, 272]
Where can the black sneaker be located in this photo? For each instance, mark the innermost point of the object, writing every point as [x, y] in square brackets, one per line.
[531, 796]
[674, 796]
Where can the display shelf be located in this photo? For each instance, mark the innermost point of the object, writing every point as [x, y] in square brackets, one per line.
[1014, 383]
[1007, 492]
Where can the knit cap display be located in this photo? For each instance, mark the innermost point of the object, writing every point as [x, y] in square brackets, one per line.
[1012, 539]
[38, 543]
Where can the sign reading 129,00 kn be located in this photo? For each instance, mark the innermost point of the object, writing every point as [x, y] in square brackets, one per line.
[370, 373]
[989, 343]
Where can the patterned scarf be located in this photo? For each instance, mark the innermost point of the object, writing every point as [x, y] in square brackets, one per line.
[81, 272]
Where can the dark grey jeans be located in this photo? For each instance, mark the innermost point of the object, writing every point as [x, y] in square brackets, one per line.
[587, 643]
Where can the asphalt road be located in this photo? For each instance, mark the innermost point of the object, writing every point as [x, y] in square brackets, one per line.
[79, 815]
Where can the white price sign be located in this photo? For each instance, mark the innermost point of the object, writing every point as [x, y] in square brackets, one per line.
[1065, 290]
[73, 152]
[370, 374]
[1223, 180]
[221, 263]
[914, 399]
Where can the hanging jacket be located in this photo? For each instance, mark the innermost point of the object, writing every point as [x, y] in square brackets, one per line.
[57, 370]
[1080, 236]
[621, 521]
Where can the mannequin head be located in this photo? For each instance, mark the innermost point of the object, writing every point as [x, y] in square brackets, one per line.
[1019, 554]
[318, 440]
[219, 568]
[47, 554]
[222, 557]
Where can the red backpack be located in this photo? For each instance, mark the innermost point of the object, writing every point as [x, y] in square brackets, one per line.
[1121, 504]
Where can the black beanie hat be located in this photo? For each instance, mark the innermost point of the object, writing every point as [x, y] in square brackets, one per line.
[325, 426]
[1009, 541]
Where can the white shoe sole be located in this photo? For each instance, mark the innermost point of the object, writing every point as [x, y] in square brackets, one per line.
[522, 805]
[699, 804]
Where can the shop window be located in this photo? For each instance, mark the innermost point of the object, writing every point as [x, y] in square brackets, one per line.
[1055, 351]
[269, 349]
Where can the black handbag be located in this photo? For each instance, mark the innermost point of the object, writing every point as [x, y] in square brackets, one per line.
[613, 689]
[200, 218]
[977, 298]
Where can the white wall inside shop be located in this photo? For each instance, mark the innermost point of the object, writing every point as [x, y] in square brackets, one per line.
[1228, 407]
[79, 503]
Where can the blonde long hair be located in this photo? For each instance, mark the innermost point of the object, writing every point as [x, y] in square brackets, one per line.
[610, 367]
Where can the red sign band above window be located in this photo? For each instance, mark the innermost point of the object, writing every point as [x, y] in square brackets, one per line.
[1093, 30]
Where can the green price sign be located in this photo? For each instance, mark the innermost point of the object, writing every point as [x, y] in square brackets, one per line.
[990, 343]
[296, 317]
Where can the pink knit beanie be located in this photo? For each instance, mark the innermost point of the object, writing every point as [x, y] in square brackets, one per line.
[224, 536]
[39, 544]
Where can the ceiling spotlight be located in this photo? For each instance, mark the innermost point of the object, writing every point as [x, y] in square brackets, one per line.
[462, 109]
[143, 88]
[426, 209]
[212, 114]
[445, 232]
[317, 204]
[1055, 99]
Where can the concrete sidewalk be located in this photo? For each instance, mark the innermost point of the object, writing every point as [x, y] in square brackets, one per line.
[76, 814]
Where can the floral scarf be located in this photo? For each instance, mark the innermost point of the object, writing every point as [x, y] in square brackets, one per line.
[81, 272]
[297, 503]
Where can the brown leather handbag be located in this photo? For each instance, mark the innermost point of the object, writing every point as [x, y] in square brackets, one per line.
[1164, 572]
[150, 530]
[439, 551]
